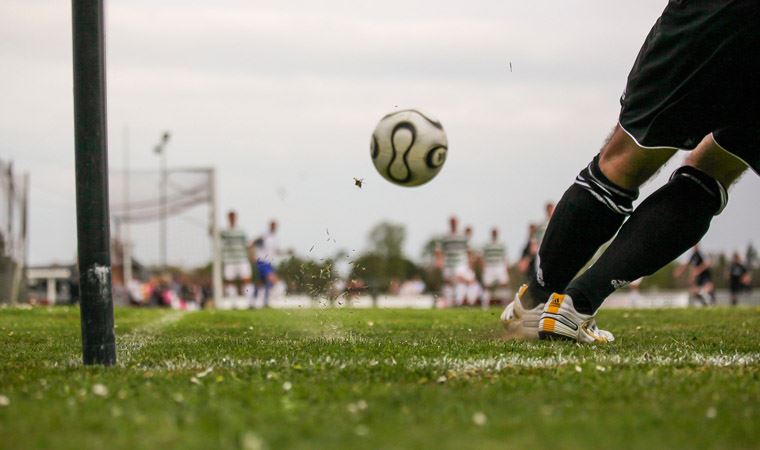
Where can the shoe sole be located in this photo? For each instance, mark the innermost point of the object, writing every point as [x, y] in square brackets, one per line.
[549, 336]
[514, 330]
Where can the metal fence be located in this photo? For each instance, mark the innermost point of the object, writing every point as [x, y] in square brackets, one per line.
[14, 195]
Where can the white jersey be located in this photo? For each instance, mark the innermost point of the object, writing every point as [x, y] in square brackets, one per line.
[269, 249]
[234, 246]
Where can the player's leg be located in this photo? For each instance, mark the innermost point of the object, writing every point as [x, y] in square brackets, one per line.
[710, 291]
[271, 282]
[447, 294]
[474, 293]
[461, 283]
[701, 295]
[669, 222]
[488, 295]
[243, 286]
[501, 288]
[447, 290]
[588, 215]
[246, 277]
[591, 212]
[230, 280]
[229, 288]
[503, 294]
[265, 276]
[695, 294]
[490, 284]
[460, 293]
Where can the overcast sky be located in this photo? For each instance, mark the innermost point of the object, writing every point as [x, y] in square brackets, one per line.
[281, 98]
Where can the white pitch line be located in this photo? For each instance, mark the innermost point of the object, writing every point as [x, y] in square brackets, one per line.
[491, 365]
[500, 363]
[134, 341]
[127, 344]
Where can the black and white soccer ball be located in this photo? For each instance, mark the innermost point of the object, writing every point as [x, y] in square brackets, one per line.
[408, 147]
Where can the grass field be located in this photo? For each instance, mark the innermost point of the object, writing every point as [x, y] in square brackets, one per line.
[379, 379]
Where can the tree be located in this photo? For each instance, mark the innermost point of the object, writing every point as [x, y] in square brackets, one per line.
[387, 239]
[308, 277]
[385, 261]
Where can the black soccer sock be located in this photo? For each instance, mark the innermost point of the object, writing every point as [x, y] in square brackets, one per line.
[669, 222]
[588, 215]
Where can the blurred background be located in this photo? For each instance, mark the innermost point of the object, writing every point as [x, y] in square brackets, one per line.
[266, 108]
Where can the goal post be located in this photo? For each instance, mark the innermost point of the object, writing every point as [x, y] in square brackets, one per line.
[143, 200]
[14, 200]
[216, 267]
[91, 160]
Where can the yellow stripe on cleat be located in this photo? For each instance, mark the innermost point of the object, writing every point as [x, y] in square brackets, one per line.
[549, 324]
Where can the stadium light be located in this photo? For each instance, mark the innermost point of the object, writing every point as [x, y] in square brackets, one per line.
[91, 149]
[160, 150]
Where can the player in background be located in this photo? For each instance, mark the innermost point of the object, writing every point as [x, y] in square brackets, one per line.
[452, 252]
[701, 286]
[739, 278]
[495, 270]
[541, 227]
[471, 289]
[267, 254]
[527, 263]
[235, 259]
[539, 237]
[694, 87]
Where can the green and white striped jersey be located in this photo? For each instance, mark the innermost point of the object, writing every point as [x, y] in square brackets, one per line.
[494, 254]
[454, 248]
[234, 246]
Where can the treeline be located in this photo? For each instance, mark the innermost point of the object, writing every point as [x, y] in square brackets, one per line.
[370, 272]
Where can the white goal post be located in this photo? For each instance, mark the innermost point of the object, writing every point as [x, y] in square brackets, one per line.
[137, 208]
[14, 207]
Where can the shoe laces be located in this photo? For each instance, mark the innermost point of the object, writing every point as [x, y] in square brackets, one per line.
[592, 328]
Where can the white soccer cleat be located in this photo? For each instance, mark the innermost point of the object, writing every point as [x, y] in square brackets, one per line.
[521, 323]
[560, 320]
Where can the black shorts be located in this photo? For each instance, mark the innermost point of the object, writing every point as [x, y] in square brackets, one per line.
[697, 73]
[704, 278]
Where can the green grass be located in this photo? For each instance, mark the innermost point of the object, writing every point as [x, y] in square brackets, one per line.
[379, 379]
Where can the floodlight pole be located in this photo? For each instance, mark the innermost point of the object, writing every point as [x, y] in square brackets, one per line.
[93, 235]
[126, 238]
[160, 150]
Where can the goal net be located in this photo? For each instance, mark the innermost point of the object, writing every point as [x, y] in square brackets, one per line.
[164, 220]
[14, 195]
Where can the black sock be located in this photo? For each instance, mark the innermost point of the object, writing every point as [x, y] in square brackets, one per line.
[669, 222]
[588, 215]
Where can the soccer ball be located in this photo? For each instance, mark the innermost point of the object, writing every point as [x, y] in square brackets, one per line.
[408, 147]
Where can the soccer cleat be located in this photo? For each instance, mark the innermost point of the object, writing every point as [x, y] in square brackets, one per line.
[521, 323]
[560, 320]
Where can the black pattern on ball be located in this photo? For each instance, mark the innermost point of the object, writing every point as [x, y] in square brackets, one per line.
[436, 156]
[405, 155]
[374, 148]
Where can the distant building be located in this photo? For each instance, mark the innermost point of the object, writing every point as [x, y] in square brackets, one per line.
[55, 284]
